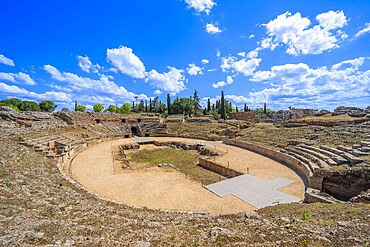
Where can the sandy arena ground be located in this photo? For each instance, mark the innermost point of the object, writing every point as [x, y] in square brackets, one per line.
[158, 188]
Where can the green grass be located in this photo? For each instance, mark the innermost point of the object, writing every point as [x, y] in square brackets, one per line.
[185, 161]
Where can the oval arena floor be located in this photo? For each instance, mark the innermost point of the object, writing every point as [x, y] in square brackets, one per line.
[157, 188]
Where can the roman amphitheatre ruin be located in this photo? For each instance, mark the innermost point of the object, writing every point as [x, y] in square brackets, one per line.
[73, 178]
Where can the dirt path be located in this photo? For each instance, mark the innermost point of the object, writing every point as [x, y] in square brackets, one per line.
[162, 189]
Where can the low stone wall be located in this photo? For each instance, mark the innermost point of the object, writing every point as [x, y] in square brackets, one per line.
[219, 169]
[310, 180]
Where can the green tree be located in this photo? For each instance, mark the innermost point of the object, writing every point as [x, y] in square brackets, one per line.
[168, 104]
[146, 106]
[29, 106]
[125, 108]
[245, 107]
[150, 105]
[222, 107]
[112, 108]
[208, 105]
[65, 109]
[197, 107]
[47, 106]
[141, 106]
[76, 105]
[265, 108]
[183, 106]
[80, 108]
[98, 108]
[236, 109]
[11, 106]
[12, 102]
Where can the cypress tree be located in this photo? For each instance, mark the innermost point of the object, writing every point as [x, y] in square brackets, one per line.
[168, 104]
[150, 105]
[75, 105]
[237, 109]
[208, 105]
[245, 107]
[213, 107]
[146, 105]
[223, 110]
[133, 104]
[265, 108]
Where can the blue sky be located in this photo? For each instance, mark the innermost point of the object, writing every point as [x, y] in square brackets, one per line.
[311, 54]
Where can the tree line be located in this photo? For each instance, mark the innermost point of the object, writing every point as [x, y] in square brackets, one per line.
[188, 106]
[25, 105]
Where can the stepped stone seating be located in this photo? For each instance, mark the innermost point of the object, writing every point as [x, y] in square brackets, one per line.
[314, 162]
[322, 157]
[295, 153]
[337, 158]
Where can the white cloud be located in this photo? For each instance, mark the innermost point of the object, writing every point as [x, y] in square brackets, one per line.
[302, 86]
[219, 84]
[353, 64]
[172, 81]
[23, 93]
[86, 65]
[205, 61]
[251, 36]
[212, 29]
[157, 92]
[194, 70]
[201, 5]
[88, 85]
[20, 78]
[244, 66]
[229, 80]
[294, 31]
[218, 54]
[6, 61]
[365, 30]
[332, 20]
[126, 61]
[242, 54]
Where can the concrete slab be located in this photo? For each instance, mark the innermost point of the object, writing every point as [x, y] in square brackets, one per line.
[143, 140]
[255, 191]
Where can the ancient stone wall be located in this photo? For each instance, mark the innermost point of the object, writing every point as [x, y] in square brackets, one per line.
[245, 116]
[219, 169]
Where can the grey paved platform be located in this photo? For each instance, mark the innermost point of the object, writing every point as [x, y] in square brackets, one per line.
[255, 191]
[143, 140]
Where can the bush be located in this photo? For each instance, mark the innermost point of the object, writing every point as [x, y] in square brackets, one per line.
[29, 106]
[47, 106]
[98, 107]
[81, 108]
[11, 106]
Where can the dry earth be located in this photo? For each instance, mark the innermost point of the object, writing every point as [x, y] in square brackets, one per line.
[157, 188]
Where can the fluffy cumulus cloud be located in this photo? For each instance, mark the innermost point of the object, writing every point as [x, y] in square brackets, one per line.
[11, 90]
[295, 32]
[244, 66]
[212, 29]
[201, 5]
[171, 81]
[219, 84]
[91, 86]
[229, 80]
[86, 65]
[6, 61]
[20, 78]
[363, 31]
[302, 86]
[194, 70]
[126, 61]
